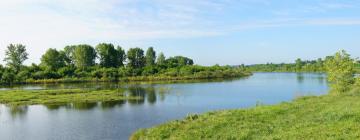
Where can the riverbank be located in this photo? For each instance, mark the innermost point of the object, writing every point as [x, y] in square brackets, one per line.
[56, 96]
[31, 97]
[153, 78]
[323, 117]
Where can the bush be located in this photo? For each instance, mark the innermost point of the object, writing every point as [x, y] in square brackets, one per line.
[8, 77]
[149, 70]
[66, 72]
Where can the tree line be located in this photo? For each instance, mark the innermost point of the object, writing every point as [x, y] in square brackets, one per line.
[104, 61]
[340, 68]
[299, 65]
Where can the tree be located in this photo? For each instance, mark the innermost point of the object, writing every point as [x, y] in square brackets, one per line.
[340, 69]
[179, 61]
[161, 59]
[69, 55]
[15, 55]
[53, 59]
[298, 64]
[136, 58]
[108, 55]
[84, 56]
[8, 77]
[150, 56]
[121, 56]
[319, 64]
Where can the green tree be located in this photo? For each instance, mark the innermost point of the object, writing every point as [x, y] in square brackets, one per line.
[109, 56]
[150, 56]
[340, 69]
[136, 58]
[15, 55]
[121, 56]
[319, 64]
[84, 56]
[179, 61]
[298, 64]
[69, 55]
[161, 59]
[8, 77]
[53, 59]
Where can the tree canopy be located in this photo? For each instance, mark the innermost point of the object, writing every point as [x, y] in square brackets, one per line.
[84, 56]
[109, 56]
[340, 69]
[150, 57]
[136, 58]
[53, 59]
[15, 55]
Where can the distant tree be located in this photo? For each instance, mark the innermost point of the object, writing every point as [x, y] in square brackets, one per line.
[69, 55]
[150, 56]
[340, 69]
[53, 59]
[298, 64]
[121, 56]
[109, 56]
[161, 59]
[179, 61]
[15, 55]
[136, 58]
[84, 56]
[319, 64]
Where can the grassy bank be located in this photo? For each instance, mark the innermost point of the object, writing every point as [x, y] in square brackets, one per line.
[324, 117]
[198, 76]
[30, 97]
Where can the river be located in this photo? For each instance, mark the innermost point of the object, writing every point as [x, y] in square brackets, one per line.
[162, 102]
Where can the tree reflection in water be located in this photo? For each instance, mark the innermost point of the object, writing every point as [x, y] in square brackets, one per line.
[18, 111]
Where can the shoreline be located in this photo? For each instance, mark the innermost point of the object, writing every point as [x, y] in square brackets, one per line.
[327, 114]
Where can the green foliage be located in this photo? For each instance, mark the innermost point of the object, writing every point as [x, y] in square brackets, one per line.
[76, 63]
[340, 69]
[84, 56]
[178, 61]
[150, 57]
[109, 56]
[161, 59]
[69, 55]
[53, 59]
[8, 77]
[136, 58]
[298, 66]
[15, 55]
[121, 56]
[67, 71]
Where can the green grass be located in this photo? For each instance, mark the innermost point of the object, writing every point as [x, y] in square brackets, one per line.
[31, 97]
[324, 117]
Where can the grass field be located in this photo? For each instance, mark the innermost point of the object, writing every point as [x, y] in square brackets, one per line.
[324, 117]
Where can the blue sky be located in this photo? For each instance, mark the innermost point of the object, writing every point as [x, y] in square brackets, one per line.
[211, 32]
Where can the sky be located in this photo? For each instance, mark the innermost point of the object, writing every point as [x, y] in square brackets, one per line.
[225, 32]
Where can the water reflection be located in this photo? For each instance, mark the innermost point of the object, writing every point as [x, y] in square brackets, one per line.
[151, 95]
[300, 78]
[112, 104]
[18, 111]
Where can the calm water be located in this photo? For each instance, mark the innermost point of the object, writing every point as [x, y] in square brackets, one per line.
[161, 103]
